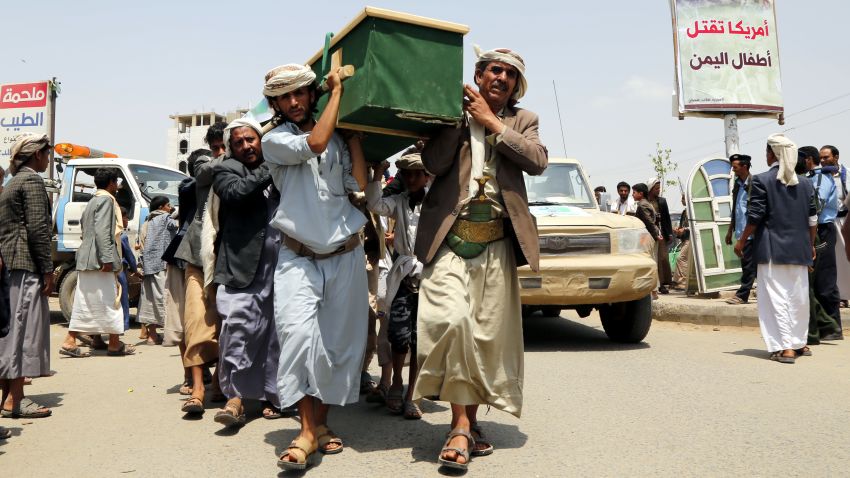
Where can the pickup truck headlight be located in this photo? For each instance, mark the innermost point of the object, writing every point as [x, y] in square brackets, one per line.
[631, 241]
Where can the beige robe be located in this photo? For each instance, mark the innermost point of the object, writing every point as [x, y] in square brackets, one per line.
[469, 327]
[469, 332]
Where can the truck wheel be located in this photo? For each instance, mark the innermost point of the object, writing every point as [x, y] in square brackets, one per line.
[627, 322]
[550, 311]
[66, 294]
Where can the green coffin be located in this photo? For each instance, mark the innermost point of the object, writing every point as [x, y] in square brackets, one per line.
[408, 80]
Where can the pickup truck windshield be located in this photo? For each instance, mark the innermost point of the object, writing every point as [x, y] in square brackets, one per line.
[559, 184]
[154, 181]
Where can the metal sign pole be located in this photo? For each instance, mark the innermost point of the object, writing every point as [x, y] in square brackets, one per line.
[730, 127]
[53, 93]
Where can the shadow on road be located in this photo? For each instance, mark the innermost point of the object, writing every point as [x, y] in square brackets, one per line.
[49, 400]
[368, 427]
[16, 432]
[754, 353]
[559, 334]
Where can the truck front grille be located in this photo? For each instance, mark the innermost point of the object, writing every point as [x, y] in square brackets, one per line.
[576, 244]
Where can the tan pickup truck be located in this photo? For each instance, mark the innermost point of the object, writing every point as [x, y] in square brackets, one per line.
[589, 259]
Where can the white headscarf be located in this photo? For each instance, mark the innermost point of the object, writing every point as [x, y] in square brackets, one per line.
[25, 145]
[286, 78]
[652, 182]
[786, 151]
[509, 57]
[239, 123]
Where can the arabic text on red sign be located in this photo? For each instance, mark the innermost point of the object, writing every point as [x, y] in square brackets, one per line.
[23, 95]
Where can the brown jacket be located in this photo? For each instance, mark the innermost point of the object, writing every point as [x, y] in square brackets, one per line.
[448, 157]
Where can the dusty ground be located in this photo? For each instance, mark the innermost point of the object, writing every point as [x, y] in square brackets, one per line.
[691, 401]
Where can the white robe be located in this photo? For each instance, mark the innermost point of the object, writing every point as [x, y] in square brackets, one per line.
[406, 223]
[97, 306]
[783, 305]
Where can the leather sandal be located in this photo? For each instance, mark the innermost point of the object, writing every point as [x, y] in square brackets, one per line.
[185, 388]
[485, 447]
[326, 437]
[778, 357]
[302, 445]
[123, 349]
[457, 432]
[27, 409]
[230, 415]
[193, 406]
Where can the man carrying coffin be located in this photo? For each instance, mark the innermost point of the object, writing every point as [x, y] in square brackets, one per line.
[475, 229]
[321, 298]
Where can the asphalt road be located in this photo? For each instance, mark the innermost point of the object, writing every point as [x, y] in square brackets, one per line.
[691, 401]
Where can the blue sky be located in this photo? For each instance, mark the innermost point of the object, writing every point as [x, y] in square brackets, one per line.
[125, 67]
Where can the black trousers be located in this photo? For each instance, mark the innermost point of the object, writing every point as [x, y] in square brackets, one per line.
[748, 271]
[825, 276]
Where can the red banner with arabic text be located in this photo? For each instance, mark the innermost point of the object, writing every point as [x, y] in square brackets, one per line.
[24, 95]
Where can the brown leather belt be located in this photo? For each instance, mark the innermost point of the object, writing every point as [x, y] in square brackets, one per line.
[299, 248]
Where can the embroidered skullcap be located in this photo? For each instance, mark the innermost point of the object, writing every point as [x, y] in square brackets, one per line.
[286, 78]
[509, 57]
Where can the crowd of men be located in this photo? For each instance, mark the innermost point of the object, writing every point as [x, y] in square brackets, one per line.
[645, 202]
[263, 274]
[291, 262]
[789, 228]
[793, 244]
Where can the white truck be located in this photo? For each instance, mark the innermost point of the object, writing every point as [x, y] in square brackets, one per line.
[74, 187]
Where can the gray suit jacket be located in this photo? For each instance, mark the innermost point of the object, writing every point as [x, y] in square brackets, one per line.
[98, 246]
[781, 214]
[243, 216]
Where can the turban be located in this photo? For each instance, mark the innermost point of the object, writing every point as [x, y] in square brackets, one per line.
[239, 123]
[652, 182]
[786, 151]
[287, 78]
[412, 161]
[508, 57]
[25, 145]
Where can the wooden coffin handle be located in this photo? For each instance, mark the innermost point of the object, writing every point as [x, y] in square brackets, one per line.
[345, 72]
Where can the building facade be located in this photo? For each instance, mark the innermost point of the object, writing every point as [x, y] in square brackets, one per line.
[188, 132]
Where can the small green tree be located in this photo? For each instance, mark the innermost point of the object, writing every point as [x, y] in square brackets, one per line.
[664, 167]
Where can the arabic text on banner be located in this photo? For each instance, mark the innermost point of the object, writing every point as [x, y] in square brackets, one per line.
[23, 109]
[727, 56]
